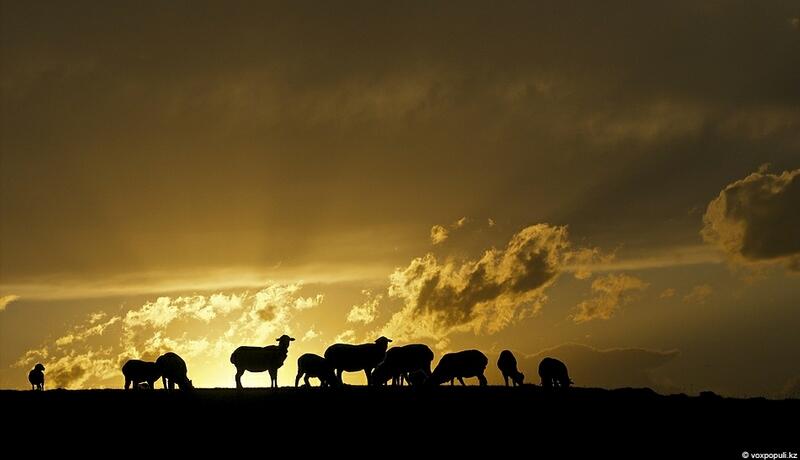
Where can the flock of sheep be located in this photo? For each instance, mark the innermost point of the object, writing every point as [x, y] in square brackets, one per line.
[408, 363]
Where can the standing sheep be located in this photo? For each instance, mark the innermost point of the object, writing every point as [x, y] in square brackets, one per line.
[312, 365]
[173, 370]
[260, 359]
[400, 361]
[554, 374]
[353, 358]
[507, 364]
[467, 363]
[36, 377]
[137, 371]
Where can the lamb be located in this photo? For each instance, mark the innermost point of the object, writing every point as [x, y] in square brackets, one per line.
[260, 359]
[507, 364]
[173, 370]
[467, 363]
[554, 374]
[312, 365]
[137, 371]
[400, 361]
[36, 377]
[352, 358]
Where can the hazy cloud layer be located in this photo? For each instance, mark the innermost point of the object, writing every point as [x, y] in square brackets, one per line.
[482, 295]
[610, 293]
[757, 219]
[699, 294]
[225, 320]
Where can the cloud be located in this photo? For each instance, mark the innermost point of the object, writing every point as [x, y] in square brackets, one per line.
[347, 336]
[367, 311]
[699, 294]
[211, 327]
[606, 368]
[459, 223]
[310, 334]
[7, 299]
[611, 292]
[490, 222]
[667, 293]
[438, 234]
[96, 328]
[756, 220]
[484, 295]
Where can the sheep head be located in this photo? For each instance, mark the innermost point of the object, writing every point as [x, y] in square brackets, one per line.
[283, 341]
[383, 341]
[39, 367]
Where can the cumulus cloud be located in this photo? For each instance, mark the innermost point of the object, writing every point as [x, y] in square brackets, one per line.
[310, 334]
[347, 336]
[438, 234]
[699, 294]
[757, 219]
[610, 293]
[367, 311]
[606, 368]
[217, 323]
[7, 299]
[484, 295]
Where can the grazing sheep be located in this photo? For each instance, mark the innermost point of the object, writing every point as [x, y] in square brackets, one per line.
[352, 358]
[554, 374]
[467, 363]
[173, 370]
[507, 364]
[400, 361]
[36, 377]
[260, 359]
[137, 371]
[312, 365]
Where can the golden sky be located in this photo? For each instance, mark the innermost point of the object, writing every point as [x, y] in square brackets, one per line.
[614, 184]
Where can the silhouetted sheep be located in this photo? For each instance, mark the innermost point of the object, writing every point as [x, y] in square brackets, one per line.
[400, 361]
[507, 364]
[352, 358]
[137, 371]
[312, 365]
[36, 377]
[260, 359]
[467, 363]
[173, 370]
[554, 373]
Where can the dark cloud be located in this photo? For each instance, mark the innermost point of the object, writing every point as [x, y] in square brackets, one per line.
[142, 131]
[607, 368]
[757, 219]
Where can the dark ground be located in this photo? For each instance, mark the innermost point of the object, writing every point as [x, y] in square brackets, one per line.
[411, 421]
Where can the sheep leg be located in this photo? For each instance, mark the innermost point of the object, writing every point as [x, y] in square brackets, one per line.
[505, 377]
[369, 375]
[461, 379]
[297, 379]
[273, 377]
[482, 380]
[239, 373]
[127, 383]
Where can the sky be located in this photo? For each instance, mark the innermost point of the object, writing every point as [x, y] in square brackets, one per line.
[616, 185]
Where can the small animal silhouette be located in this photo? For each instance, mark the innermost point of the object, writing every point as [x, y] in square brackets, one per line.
[173, 370]
[467, 363]
[554, 374]
[36, 377]
[137, 371]
[351, 358]
[312, 365]
[260, 359]
[507, 364]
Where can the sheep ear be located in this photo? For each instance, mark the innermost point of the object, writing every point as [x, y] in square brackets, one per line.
[291, 339]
